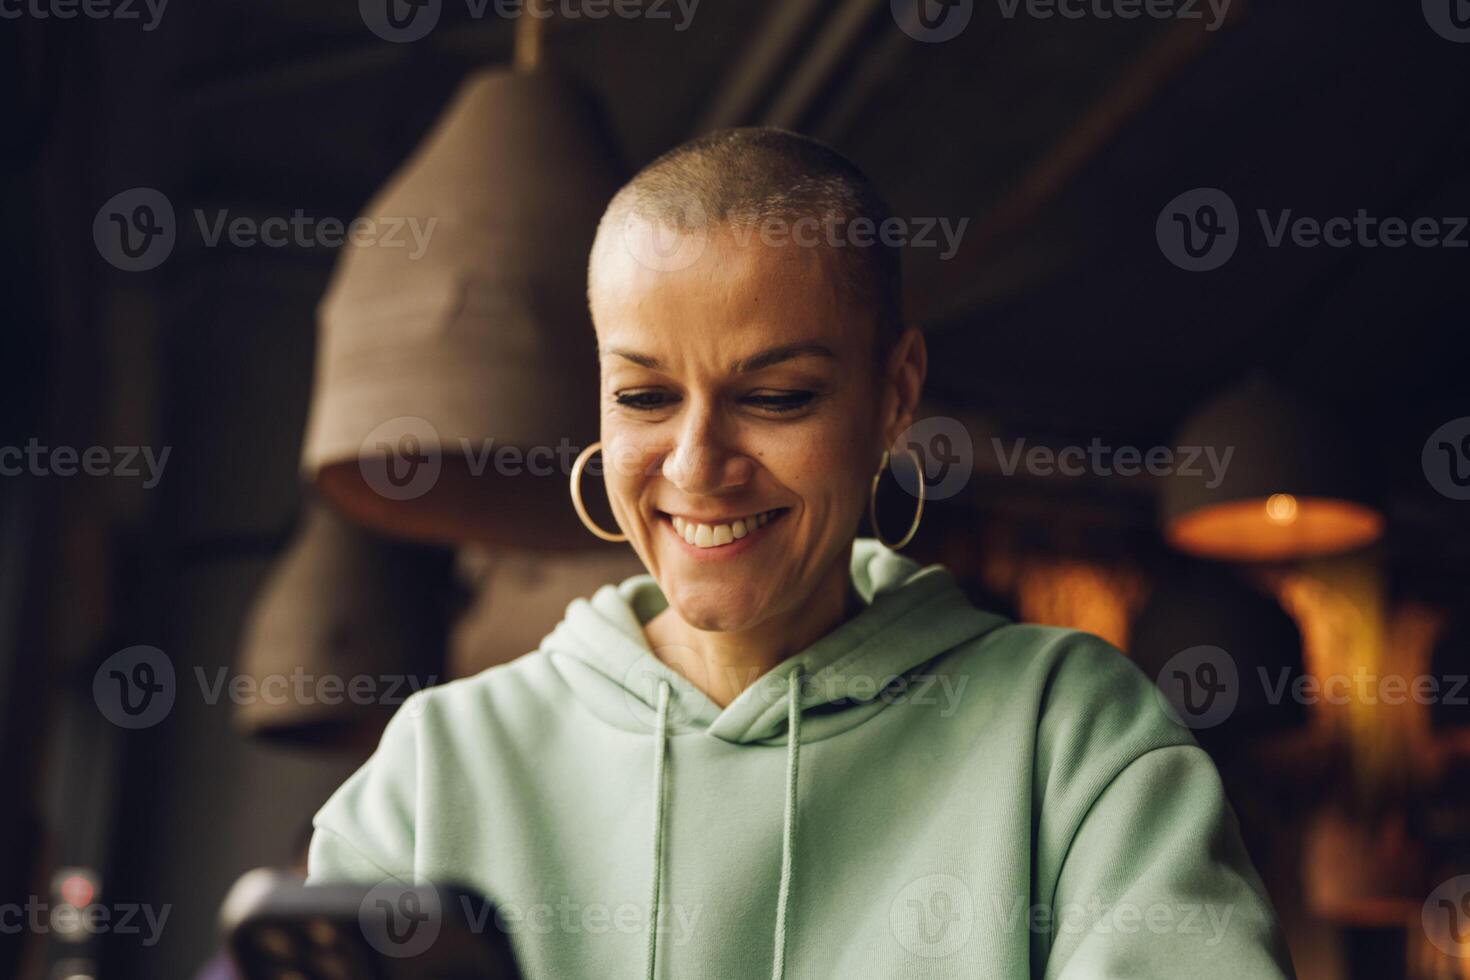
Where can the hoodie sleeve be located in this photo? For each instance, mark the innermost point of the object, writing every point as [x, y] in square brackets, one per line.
[1157, 883]
[365, 832]
[1148, 874]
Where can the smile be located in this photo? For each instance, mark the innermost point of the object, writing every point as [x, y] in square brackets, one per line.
[705, 536]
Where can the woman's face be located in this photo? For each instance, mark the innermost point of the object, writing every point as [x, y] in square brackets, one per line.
[743, 418]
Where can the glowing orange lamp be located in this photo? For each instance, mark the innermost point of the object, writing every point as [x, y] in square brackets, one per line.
[1289, 488]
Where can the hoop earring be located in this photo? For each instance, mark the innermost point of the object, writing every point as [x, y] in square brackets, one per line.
[873, 503]
[581, 508]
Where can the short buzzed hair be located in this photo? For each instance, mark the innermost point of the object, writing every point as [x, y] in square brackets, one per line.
[754, 177]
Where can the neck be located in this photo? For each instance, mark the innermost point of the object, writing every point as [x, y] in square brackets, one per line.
[722, 664]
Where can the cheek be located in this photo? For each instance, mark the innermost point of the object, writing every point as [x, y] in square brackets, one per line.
[630, 461]
[827, 468]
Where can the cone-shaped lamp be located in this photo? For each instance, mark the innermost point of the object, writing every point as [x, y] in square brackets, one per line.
[456, 369]
[345, 626]
[1290, 488]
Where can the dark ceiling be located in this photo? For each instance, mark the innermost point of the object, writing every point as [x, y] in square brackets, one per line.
[1059, 140]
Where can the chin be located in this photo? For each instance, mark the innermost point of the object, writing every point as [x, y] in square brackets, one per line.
[718, 609]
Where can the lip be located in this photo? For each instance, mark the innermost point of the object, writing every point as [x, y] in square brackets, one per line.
[725, 551]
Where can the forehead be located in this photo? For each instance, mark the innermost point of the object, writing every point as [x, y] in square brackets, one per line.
[722, 291]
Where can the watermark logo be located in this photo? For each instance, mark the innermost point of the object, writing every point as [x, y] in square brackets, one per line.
[35, 459]
[400, 920]
[1199, 230]
[149, 12]
[945, 455]
[1446, 917]
[1446, 459]
[138, 687]
[401, 21]
[400, 458]
[642, 680]
[933, 917]
[1199, 687]
[1206, 463]
[932, 21]
[1215, 10]
[406, 21]
[1450, 19]
[135, 688]
[135, 230]
[78, 922]
[671, 240]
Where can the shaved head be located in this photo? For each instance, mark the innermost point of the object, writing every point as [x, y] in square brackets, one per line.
[780, 188]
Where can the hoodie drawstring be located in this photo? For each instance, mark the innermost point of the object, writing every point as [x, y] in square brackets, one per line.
[788, 825]
[788, 830]
[660, 790]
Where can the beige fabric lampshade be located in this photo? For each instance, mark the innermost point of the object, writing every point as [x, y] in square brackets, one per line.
[520, 596]
[455, 337]
[345, 626]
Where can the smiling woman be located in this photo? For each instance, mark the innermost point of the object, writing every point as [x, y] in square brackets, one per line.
[727, 741]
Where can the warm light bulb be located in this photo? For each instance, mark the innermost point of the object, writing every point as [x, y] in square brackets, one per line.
[1281, 508]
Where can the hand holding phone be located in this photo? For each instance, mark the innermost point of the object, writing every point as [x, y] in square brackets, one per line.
[281, 929]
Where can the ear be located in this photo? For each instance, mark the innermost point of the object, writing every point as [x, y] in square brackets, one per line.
[903, 384]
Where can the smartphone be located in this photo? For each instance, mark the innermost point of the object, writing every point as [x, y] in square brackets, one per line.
[278, 928]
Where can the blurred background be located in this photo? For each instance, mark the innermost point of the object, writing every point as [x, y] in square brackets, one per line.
[1194, 277]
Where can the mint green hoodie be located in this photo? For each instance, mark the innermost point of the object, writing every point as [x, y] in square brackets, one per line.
[926, 792]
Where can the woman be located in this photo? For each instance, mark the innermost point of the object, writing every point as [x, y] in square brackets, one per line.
[785, 751]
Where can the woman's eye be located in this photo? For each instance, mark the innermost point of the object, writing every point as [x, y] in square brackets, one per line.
[782, 401]
[642, 400]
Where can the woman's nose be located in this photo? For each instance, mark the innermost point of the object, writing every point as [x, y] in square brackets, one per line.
[705, 461]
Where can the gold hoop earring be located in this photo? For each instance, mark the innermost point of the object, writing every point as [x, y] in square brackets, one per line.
[873, 503]
[581, 508]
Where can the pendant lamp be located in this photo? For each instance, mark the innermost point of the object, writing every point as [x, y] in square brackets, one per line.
[346, 625]
[456, 369]
[1291, 488]
[520, 596]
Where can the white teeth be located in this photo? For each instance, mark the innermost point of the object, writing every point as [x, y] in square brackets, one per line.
[714, 536]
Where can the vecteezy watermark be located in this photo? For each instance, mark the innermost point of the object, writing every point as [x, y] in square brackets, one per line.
[1099, 459]
[932, 21]
[137, 687]
[1446, 917]
[406, 21]
[933, 917]
[1199, 230]
[1450, 19]
[1212, 12]
[679, 667]
[941, 450]
[34, 459]
[402, 458]
[136, 230]
[403, 920]
[677, 235]
[148, 12]
[835, 231]
[79, 922]
[1205, 919]
[1446, 458]
[1201, 687]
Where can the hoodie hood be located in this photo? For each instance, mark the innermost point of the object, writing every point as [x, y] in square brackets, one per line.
[912, 615]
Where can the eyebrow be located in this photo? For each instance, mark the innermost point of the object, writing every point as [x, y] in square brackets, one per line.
[748, 365]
